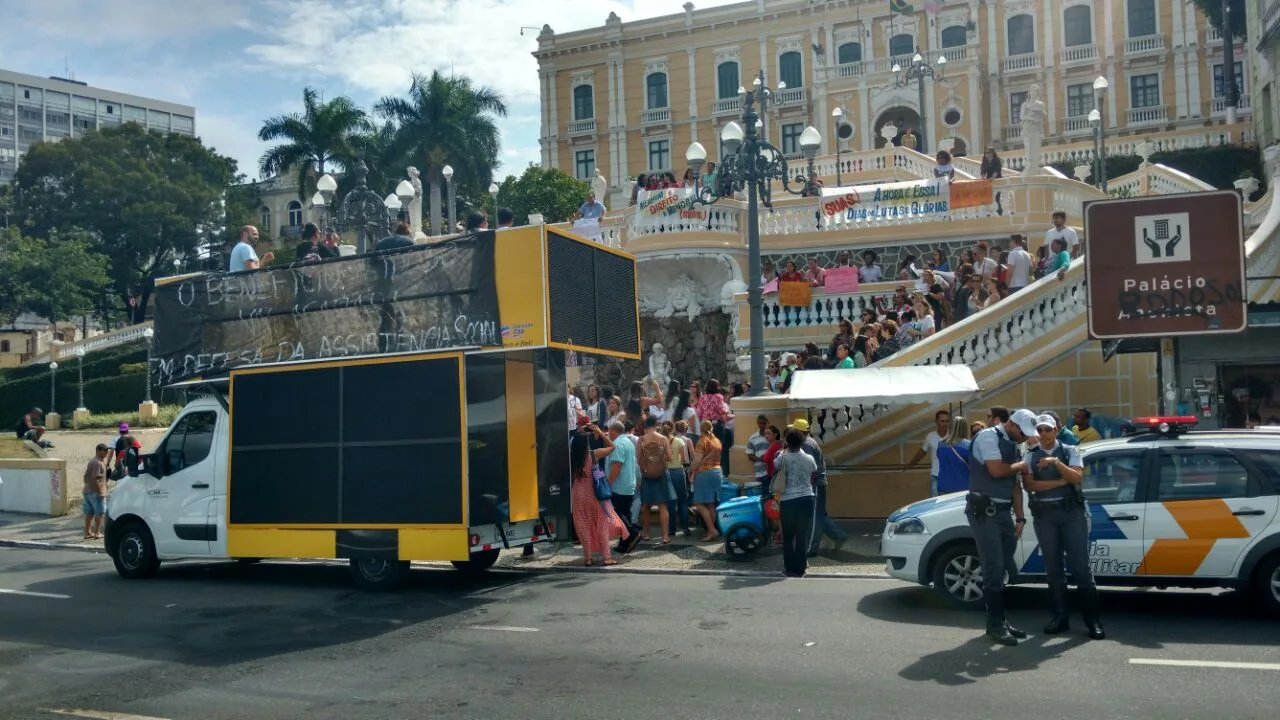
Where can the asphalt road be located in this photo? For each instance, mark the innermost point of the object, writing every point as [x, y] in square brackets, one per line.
[296, 641]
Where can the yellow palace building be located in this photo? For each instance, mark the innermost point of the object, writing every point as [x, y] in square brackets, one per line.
[629, 98]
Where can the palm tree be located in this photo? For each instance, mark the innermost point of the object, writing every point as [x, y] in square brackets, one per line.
[447, 121]
[324, 132]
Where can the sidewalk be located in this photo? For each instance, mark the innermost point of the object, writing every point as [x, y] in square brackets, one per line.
[857, 558]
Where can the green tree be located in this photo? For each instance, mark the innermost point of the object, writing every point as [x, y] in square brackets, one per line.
[144, 198]
[554, 193]
[57, 278]
[447, 121]
[323, 133]
[1212, 9]
[383, 155]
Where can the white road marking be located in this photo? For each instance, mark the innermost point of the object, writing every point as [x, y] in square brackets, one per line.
[28, 593]
[502, 628]
[1206, 664]
[100, 715]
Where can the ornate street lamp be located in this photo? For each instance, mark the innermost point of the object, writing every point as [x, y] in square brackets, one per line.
[404, 192]
[916, 72]
[79, 352]
[752, 164]
[1100, 86]
[148, 334]
[493, 193]
[447, 172]
[53, 386]
[844, 132]
[361, 210]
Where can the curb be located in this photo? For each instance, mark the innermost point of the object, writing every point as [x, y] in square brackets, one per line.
[560, 569]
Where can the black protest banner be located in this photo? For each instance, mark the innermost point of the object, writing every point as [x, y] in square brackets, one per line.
[428, 297]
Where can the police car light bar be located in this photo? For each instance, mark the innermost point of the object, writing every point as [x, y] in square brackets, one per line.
[1170, 420]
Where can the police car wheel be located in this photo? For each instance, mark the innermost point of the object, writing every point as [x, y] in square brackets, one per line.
[1266, 582]
[957, 576]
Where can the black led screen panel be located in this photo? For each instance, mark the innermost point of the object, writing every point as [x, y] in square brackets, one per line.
[366, 444]
[592, 296]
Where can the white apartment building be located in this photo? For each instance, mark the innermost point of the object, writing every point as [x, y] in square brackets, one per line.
[37, 109]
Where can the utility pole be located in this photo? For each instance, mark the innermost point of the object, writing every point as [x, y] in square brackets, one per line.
[1229, 63]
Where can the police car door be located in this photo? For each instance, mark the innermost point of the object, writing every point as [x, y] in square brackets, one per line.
[1112, 479]
[1206, 508]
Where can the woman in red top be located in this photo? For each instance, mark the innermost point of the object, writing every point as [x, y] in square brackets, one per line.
[791, 274]
[711, 405]
[775, 446]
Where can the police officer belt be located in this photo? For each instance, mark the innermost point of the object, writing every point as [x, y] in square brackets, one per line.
[987, 505]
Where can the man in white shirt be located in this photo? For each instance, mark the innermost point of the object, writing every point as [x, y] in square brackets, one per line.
[1061, 231]
[983, 265]
[870, 271]
[1019, 264]
[243, 255]
[942, 419]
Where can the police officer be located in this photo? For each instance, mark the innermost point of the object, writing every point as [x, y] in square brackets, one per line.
[994, 509]
[1061, 520]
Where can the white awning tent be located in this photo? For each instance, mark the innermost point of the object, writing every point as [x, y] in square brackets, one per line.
[913, 385]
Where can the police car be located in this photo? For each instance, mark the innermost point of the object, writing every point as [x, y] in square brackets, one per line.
[1170, 507]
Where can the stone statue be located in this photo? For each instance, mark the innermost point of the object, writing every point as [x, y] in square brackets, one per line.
[682, 298]
[659, 367]
[600, 186]
[1033, 117]
[415, 205]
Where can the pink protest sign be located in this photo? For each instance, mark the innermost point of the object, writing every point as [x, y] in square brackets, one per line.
[841, 280]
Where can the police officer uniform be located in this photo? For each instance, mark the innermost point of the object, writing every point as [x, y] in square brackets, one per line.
[990, 509]
[1061, 520]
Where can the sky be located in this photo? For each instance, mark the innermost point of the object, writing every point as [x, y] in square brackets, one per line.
[241, 61]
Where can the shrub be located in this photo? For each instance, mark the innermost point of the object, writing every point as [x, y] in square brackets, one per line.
[102, 421]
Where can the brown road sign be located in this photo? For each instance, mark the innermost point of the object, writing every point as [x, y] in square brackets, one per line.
[1165, 265]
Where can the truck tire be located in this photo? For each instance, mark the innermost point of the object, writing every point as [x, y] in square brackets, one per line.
[135, 552]
[377, 574]
[1266, 583]
[957, 576]
[479, 562]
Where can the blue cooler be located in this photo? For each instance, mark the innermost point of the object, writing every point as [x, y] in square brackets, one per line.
[748, 510]
[753, 488]
[728, 490]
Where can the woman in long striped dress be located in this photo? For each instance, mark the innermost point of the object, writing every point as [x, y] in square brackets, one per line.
[594, 520]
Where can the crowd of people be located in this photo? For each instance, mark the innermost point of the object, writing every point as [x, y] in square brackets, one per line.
[668, 448]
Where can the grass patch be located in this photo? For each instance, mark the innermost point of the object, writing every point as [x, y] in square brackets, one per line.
[11, 447]
[106, 421]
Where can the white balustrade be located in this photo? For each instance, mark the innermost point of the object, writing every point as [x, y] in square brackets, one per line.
[133, 333]
[825, 309]
[847, 70]
[722, 217]
[1025, 62]
[959, 54]
[655, 116]
[790, 96]
[1213, 36]
[1011, 133]
[1077, 125]
[1145, 45]
[1078, 54]
[581, 127]
[1147, 115]
[1220, 105]
[1164, 180]
[727, 106]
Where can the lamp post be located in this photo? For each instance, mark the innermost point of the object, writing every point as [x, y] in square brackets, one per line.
[80, 363]
[447, 172]
[326, 186]
[392, 203]
[360, 210]
[751, 163]
[404, 192]
[844, 132]
[148, 334]
[493, 193]
[53, 387]
[1100, 86]
[917, 71]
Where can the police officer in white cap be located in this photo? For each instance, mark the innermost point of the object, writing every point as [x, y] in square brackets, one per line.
[995, 510]
[1061, 518]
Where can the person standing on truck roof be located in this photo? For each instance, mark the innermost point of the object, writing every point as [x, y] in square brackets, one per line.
[506, 218]
[592, 209]
[244, 256]
[477, 221]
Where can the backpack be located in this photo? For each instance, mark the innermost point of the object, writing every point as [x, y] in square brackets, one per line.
[652, 456]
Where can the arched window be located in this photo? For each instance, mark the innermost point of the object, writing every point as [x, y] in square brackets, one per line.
[1021, 35]
[791, 69]
[656, 91]
[1142, 17]
[727, 82]
[900, 45]
[265, 214]
[850, 52]
[955, 36]
[295, 214]
[583, 103]
[1077, 25]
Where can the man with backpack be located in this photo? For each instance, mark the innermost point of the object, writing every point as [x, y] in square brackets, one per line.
[1061, 518]
[125, 455]
[653, 453]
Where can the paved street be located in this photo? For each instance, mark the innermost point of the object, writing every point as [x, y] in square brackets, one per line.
[296, 641]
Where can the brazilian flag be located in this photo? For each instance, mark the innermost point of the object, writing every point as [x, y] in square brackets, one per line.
[900, 7]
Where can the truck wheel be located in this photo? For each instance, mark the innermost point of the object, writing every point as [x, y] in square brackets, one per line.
[957, 576]
[1266, 583]
[378, 574]
[135, 552]
[479, 562]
